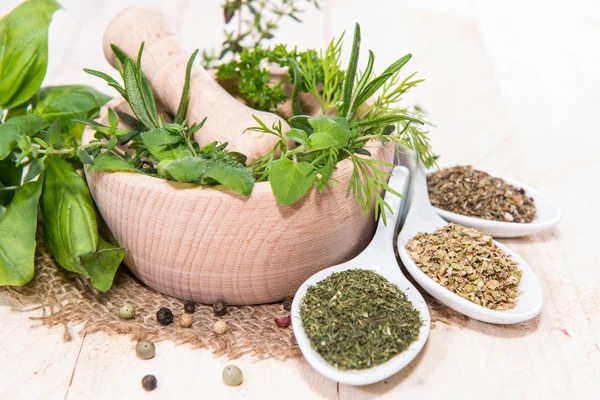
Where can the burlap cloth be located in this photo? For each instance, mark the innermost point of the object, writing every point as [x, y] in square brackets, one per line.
[65, 299]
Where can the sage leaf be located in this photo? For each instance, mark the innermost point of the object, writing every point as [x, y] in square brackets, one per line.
[24, 50]
[298, 135]
[17, 235]
[328, 132]
[143, 107]
[290, 180]
[301, 122]
[186, 169]
[235, 176]
[102, 264]
[108, 161]
[164, 145]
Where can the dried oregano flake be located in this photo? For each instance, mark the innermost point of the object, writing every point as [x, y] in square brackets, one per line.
[467, 191]
[357, 319]
[468, 263]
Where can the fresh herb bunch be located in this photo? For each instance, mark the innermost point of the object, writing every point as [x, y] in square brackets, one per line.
[157, 147]
[39, 155]
[324, 140]
[257, 20]
[252, 74]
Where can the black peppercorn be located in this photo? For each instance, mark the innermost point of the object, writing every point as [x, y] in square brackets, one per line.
[164, 316]
[189, 307]
[220, 308]
[287, 303]
[149, 383]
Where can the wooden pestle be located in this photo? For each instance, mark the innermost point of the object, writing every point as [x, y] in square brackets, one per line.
[164, 62]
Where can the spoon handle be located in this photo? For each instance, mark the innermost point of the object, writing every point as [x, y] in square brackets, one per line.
[384, 236]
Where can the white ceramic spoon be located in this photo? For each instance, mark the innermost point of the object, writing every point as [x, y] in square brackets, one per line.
[421, 217]
[548, 215]
[378, 256]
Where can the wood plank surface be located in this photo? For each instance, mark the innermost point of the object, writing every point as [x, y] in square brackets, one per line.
[512, 87]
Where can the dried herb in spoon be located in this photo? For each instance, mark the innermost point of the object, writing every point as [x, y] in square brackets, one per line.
[468, 263]
[467, 191]
[357, 319]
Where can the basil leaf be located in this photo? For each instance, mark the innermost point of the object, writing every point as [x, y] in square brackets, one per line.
[66, 105]
[9, 138]
[100, 98]
[17, 235]
[70, 226]
[235, 176]
[290, 180]
[10, 175]
[164, 145]
[102, 264]
[24, 50]
[186, 169]
[108, 161]
[29, 124]
[298, 136]
[329, 132]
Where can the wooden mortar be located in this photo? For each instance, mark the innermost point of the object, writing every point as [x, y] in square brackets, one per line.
[209, 243]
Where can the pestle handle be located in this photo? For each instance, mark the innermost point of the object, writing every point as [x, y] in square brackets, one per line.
[164, 63]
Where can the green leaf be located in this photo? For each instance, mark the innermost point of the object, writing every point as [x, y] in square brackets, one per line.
[329, 132]
[164, 145]
[290, 180]
[24, 50]
[17, 235]
[364, 78]
[111, 143]
[137, 95]
[85, 158]
[70, 225]
[183, 103]
[301, 122]
[67, 105]
[235, 176]
[109, 79]
[53, 136]
[298, 136]
[102, 264]
[108, 161]
[392, 69]
[10, 175]
[35, 168]
[186, 169]
[101, 98]
[351, 74]
[71, 228]
[113, 120]
[102, 128]
[29, 124]
[388, 119]
[9, 138]
[297, 86]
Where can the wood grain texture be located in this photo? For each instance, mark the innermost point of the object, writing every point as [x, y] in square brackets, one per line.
[164, 63]
[210, 243]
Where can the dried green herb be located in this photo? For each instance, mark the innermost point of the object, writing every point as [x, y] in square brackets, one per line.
[357, 319]
[467, 191]
[468, 263]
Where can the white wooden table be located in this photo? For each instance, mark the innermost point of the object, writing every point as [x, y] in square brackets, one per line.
[513, 87]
